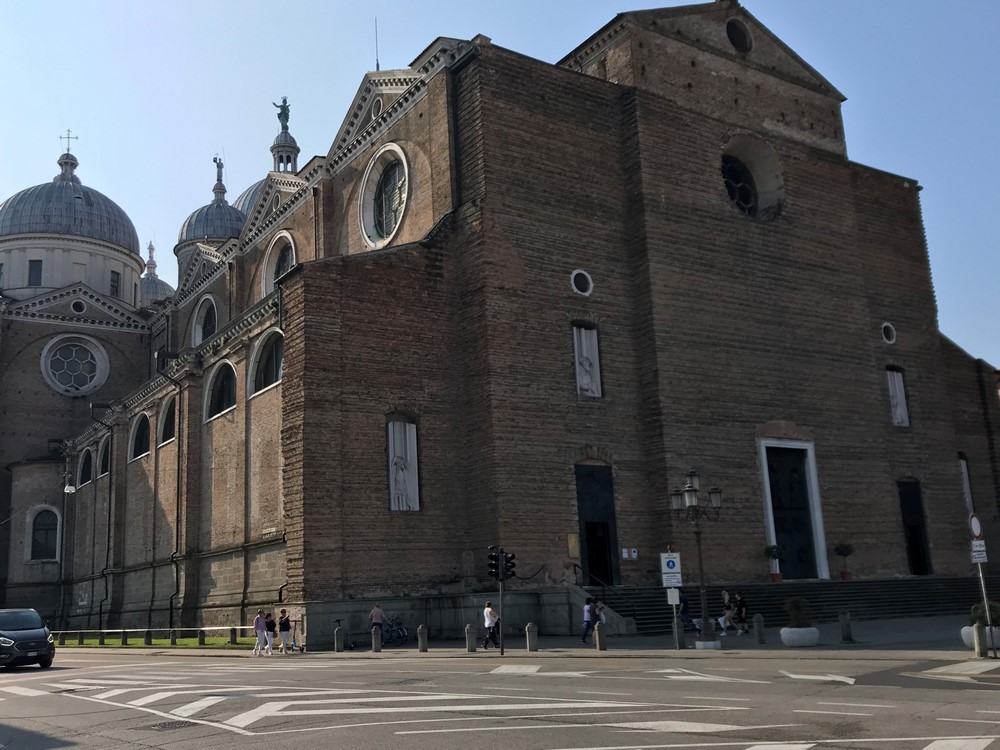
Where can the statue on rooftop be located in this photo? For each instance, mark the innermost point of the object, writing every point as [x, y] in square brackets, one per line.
[283, 110]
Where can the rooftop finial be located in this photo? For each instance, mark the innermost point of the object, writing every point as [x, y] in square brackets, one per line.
[376, 44]
[219, 189]
[69, 137]
[283, 110]
[151, 261]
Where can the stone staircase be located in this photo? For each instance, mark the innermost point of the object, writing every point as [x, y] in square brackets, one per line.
[865, 600]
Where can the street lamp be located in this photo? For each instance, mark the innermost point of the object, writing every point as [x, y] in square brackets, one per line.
[686, 506]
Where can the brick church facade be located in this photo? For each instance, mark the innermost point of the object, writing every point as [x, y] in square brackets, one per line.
[513, 304]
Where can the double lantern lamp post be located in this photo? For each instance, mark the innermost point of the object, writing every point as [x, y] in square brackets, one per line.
[686, 507]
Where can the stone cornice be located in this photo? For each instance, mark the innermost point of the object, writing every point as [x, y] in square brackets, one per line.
[33, 311]
[76, 241]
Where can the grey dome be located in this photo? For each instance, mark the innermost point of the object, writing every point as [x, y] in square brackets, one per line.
[248, 197]
[284, 138]
[151, 287]
[65, 206]
[216, 221]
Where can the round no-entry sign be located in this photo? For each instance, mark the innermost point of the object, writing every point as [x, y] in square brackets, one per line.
[976, 526]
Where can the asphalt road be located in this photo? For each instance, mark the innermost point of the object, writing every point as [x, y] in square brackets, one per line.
[403, 700]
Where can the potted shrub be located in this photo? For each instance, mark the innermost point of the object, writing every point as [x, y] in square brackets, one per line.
[800, 630]
[774, 553]
[844, 551]
[978, 617]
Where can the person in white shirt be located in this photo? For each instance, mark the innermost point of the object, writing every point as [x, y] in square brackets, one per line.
[492, 622]
[588, 623]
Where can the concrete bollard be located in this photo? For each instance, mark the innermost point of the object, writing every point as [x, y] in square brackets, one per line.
[147, 638]
[100, 638]
[376, 640]
[470, 640]
[422, 638]
[979, 640]
[599, 640]
[173, 637]
[124, 637]
[62, 639]
[233, 636]
[845, 627]
[201, 637]
[758, 628]
[531, 636]
[338, 640]
[79, 638]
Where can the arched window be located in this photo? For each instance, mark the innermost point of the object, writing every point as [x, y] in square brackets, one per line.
[139, 445]
[223, 393]
[104, 462]
[168, 422]
[206, 321]
[270, 363]
[280, 259]
[45, 536]
[284, 262]
[86, 468]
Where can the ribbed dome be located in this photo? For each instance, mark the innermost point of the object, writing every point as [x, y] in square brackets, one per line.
[65, 206]
[216, 221]
[248, 197]
[284, 138]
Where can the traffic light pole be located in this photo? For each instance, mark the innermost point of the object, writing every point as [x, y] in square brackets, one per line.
[501, 616]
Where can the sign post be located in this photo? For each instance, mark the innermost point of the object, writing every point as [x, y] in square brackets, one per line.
[670, 569]
[979, 557]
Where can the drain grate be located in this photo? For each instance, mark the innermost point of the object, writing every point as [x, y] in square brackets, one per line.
[173, 725]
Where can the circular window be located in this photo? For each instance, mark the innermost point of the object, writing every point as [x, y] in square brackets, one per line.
[78, 307]
[383, 196]
[74, 365]
[888, 333]
[581, 282]
[376, 107]
[739, 36]
[752, 177]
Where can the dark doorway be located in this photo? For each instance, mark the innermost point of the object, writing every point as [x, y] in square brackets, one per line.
[595, 500]
[918, 553]
[793, 523]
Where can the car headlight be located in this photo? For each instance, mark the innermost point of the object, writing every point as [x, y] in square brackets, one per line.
[51, 639]
[6, 642]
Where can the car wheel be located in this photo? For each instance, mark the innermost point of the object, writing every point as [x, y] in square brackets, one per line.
[45, 663]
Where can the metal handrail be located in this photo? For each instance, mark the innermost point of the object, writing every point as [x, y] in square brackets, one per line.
[604, 590]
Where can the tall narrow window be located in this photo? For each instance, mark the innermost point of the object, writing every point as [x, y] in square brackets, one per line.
[270, 363]
[963, 464]
[223, 394]
[1, 275]
[897, 397]
[34, 273]
[588, 361]
[86, 468]
[104, 462]
[116, 284]
[168, 422]
[44, 536]
[404, 488]
[140, 437]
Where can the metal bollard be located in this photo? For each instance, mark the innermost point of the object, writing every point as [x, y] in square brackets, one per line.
[233, 637]
[678, 627]
[422, 638]
[758, 628]
[79, 638]
[201, 637]
[531, 636]
[979, 640]
[845, 627]
[338, 640]
[62, 639]
[124, 638]
[173, 637]
[100, 638]
[147, 638]
[470, 640]
[376, 640]
[599, 640]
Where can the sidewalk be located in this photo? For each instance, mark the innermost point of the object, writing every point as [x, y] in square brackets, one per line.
[919, 639]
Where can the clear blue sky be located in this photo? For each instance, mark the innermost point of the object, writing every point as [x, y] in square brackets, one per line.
[155, 90]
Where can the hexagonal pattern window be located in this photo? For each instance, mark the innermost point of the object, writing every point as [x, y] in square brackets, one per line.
[74, 365]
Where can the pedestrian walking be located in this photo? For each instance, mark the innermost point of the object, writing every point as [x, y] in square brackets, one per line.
[284, 632]
[492, 622]
[260, 632]
[269, 628]
[588, 622]
[740, 613]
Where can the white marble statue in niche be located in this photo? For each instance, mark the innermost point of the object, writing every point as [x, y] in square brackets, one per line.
[404, 490]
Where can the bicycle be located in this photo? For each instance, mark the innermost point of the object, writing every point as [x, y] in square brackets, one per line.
[395, 634]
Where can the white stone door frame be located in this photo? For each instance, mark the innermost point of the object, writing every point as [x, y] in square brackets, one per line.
[815, 504]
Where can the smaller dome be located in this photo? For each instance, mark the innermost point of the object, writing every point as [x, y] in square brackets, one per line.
[151, 287]
[216, 221]
[284, 138]
[248, 198]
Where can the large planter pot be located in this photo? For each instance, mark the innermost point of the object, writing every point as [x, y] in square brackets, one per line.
[776, 577]
[799, 637]
[991, 636]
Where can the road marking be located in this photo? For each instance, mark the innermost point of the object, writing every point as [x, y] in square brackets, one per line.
[516, 669]
[520, 690]
[855, 705]
[713, 698]
[831, 713]
[979, 744]
[840, 742]
[970, 721]
[820, 677]
[688, 674]
[688, 727]
[25, 691]
[248, 692]
[784, 746]
[967, 667]
[599, 692]
[192, 708]
[279, 708]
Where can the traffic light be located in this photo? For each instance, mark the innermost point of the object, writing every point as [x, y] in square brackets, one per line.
[493, 566]
[508, 565]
